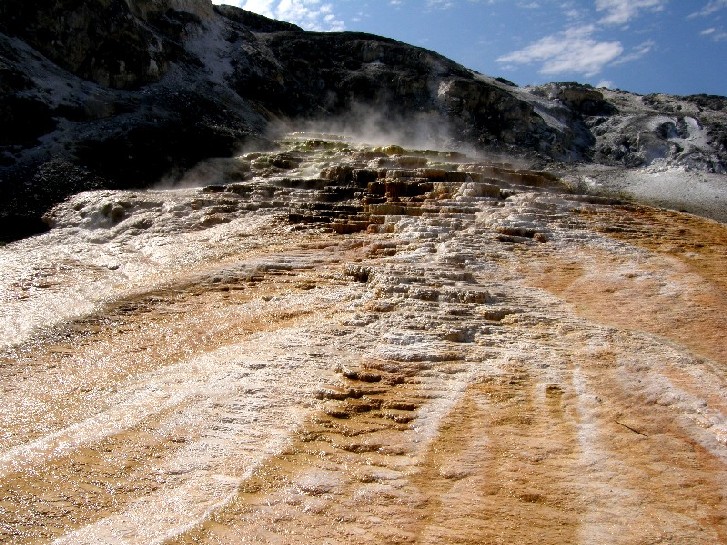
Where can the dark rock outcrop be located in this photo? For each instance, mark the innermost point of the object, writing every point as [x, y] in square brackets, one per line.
[582, 99]
[122, 93]
[120, 44]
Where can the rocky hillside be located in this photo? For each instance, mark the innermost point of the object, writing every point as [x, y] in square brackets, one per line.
[123, 93]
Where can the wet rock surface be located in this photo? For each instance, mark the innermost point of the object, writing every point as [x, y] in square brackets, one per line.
[334, 342]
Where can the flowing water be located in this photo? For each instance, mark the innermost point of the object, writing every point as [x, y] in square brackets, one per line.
[334, 343]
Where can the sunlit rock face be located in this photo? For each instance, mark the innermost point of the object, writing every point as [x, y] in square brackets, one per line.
[333, 342]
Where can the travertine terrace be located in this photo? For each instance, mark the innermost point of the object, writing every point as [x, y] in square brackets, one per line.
[337, 343]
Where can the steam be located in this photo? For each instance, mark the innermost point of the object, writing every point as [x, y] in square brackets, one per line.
[368, 124]
[215, 171]
[361, 124]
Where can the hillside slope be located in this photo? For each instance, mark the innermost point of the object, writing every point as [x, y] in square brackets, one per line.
[123, 93]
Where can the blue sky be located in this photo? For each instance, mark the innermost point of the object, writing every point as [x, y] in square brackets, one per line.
[645, 46]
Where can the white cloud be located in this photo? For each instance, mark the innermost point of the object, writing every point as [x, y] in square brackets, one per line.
[620, 12]
[572, 14]
[605, 84]
[638, 52]
[440, 4]
[714, 34]
[577, 49]
[571, 51]
[712, 7]
[309, 14]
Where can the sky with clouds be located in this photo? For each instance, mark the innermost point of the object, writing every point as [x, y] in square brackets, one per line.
[645, 46]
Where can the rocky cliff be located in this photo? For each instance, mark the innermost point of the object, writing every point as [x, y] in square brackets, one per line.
[123, 93]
